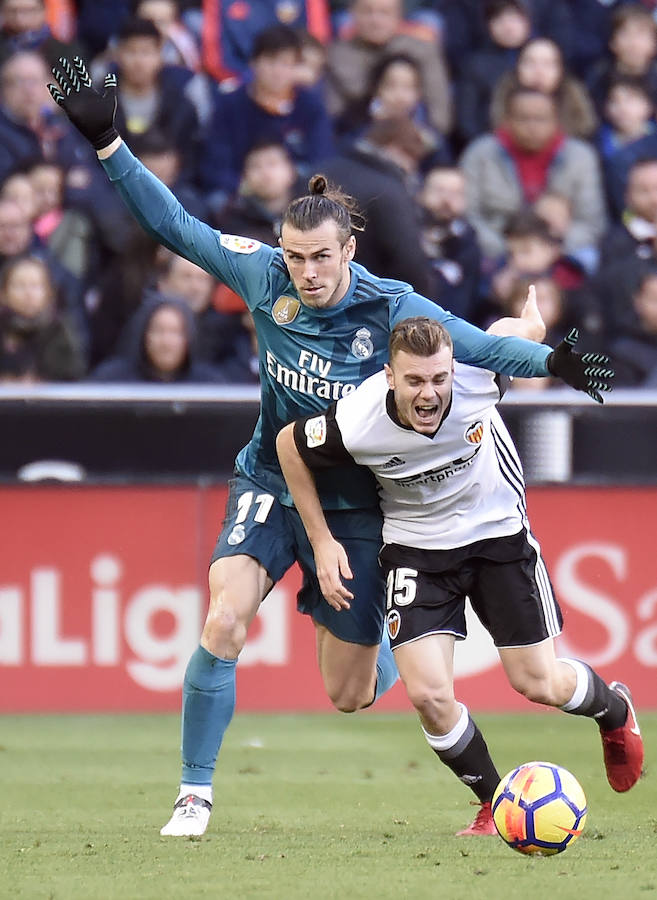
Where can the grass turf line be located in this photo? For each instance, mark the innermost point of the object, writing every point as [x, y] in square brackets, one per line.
[306, 806]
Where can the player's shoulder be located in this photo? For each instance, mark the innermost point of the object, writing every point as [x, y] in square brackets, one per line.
[365, 398]
[371, 287]
[472, 378]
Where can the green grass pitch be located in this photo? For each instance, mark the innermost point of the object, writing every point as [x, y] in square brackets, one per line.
[306, 806]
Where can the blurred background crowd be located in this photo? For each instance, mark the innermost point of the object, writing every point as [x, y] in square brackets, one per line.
[490, 144]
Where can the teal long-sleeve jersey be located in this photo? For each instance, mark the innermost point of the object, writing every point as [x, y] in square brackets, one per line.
[308, 357]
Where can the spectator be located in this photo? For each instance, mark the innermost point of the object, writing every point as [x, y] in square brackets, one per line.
[17, 238]
[628, 117]
[379, 30]
[591, 22]
[450, 241]
[33, 130]
[270, 107]
[25, 27]
[534, 253]
[633, 46]
[179, 47]
[629, 134]
[465, 25]
[311, 70]
[98, 21]
[269, 182]
[180, 55]
[396, 91]
[528, 155]
[380, 171]
[18, 187]
[149, 97]
[636, 231]
[163, 157]
[508, 27]
[36, 341]
[30, 128]
[540, 66]
[634, 347]
[222, 338]
[160, 347]
[67, 233]
[556, 211]
[230, 30]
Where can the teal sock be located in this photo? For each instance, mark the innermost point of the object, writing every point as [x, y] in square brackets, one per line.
[208, 706]
[386, 668]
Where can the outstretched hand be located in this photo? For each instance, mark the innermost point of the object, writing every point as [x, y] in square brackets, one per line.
[587, 372]
[91, 112]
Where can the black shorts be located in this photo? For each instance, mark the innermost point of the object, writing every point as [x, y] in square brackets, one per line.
[505, 579]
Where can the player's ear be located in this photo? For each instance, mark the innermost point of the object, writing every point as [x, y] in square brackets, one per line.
[389, 376]
[349, 249]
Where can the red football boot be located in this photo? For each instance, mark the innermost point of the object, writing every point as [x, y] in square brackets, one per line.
[483, 823]
[623, 747]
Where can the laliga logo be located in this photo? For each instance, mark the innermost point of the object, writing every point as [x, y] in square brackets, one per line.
[115, 630]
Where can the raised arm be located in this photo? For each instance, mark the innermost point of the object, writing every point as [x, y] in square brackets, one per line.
[241, 263]
[331, 560]
[513, 355]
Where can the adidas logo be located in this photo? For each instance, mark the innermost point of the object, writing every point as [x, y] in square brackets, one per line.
[394, 461]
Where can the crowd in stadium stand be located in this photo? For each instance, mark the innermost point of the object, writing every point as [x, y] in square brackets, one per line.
[491, 144]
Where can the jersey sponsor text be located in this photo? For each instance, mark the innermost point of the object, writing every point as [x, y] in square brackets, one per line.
[304, 381]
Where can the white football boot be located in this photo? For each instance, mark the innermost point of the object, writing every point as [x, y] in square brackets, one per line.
[190, 818]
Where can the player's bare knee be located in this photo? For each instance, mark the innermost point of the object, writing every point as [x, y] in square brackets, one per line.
[349, 697]
[224, 632]
[432, 704]
[537, 688]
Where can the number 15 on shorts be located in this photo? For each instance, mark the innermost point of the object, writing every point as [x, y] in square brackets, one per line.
[401, 587]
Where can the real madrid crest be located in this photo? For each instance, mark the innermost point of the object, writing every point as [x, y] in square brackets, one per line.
[285, 310]
[362, 346]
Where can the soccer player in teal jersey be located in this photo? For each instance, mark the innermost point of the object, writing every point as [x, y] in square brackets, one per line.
[322, 324]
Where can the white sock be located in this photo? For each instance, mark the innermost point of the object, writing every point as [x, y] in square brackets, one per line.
[445, 741]
[204, 791]
[581, 684]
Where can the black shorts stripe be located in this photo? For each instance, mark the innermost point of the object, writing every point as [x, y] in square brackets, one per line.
[510, 469]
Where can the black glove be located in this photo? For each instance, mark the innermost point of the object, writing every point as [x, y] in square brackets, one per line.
[583, 371]
[91, 113]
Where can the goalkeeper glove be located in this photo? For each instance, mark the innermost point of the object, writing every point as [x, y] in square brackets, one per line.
[92, 113]
[583, 371]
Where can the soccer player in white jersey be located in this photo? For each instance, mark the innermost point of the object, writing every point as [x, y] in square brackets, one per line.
[322, 324]
[455, 525]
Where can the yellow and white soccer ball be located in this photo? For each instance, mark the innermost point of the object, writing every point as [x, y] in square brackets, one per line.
[539, 808]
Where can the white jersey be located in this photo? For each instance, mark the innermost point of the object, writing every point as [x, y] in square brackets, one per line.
[461, 485]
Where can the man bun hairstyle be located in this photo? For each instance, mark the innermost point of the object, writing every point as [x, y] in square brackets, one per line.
[323, 202]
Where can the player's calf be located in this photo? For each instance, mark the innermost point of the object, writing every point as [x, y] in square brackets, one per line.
[611, 707]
